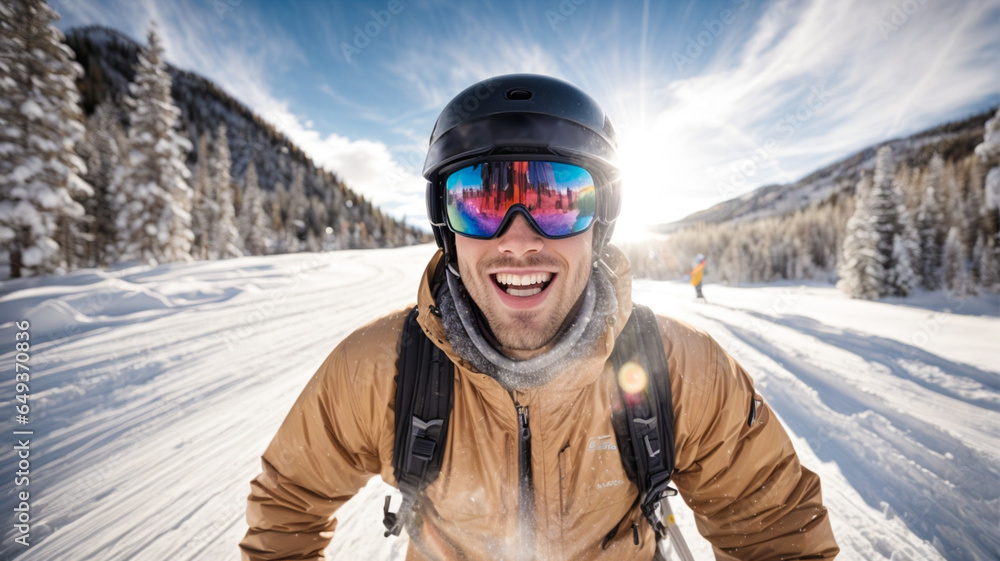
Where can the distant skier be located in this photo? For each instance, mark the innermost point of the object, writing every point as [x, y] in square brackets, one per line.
[697, 273]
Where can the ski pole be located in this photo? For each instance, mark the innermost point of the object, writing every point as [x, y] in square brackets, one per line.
[675, 541]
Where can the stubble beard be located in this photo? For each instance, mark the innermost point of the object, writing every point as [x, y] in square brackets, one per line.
[525, 330]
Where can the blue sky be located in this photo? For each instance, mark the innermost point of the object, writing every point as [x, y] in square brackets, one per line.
[710, 99]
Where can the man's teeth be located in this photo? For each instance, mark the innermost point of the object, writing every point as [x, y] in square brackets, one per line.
[522, 293]
[510, 279]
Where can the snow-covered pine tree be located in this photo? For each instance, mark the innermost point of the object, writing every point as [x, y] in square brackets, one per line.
[902, 277]
[204, 211]
[378, 233]
[40, 123]
[353, 230]
[277, 198]
[993, 192]
[956, 270]
[312, 241]
[253, 224]
[862, 267]
[989, 268]
[803, 265]
[297, 205]
[274, 198]
[316, 218]
[989, 154]
[226, 241]
[104, 146]
[154, 199]
[977, 255]
[931, 227]
[972, 207]
[890, 221]
[335, 206]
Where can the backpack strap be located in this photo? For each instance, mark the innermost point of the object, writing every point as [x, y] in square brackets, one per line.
[424, 386]
[643, 419]
[644, 415]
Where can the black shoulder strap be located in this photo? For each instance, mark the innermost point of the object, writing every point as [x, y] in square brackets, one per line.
[644, 417]
[424, 385]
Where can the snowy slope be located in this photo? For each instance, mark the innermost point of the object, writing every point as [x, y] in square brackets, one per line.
[154, 391]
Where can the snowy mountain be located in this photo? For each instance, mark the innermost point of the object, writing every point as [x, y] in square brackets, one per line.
[154, 390]
[953, 141]
[108, 58]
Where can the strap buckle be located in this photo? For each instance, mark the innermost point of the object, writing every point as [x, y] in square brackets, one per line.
[424, 437]
[393, 521]
[652, 509]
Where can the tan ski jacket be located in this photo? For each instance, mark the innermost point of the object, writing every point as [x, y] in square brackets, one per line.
[752, 498]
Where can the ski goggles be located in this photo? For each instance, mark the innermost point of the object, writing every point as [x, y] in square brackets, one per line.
[559, 200]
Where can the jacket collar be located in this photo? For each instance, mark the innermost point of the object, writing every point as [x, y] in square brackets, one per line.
[618, 270]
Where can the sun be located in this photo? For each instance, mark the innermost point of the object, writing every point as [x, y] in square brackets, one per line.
[642, 173]
[660, 176]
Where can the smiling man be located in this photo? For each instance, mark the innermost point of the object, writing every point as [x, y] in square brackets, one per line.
[524, 286]
[515, 449]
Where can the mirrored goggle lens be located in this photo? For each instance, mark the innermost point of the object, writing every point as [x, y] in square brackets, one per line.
[560, 198]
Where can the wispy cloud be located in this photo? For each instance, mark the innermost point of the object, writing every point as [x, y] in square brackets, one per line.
[878, 82]
[809, 81]
[467, 46]
[776, 90]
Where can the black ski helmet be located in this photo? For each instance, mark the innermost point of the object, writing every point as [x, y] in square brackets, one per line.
[523, 116]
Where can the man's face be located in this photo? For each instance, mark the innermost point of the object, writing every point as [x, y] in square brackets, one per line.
[525, 284]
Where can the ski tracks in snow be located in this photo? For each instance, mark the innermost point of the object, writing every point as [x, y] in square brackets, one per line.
[155, 391]
[150, 425]
[913, 435]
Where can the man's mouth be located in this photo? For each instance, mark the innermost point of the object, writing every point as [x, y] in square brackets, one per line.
[522, 286]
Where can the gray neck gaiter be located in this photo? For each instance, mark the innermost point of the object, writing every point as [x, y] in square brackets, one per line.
[575, 343]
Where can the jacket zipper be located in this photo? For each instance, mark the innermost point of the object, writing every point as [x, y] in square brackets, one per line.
[526, 494]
